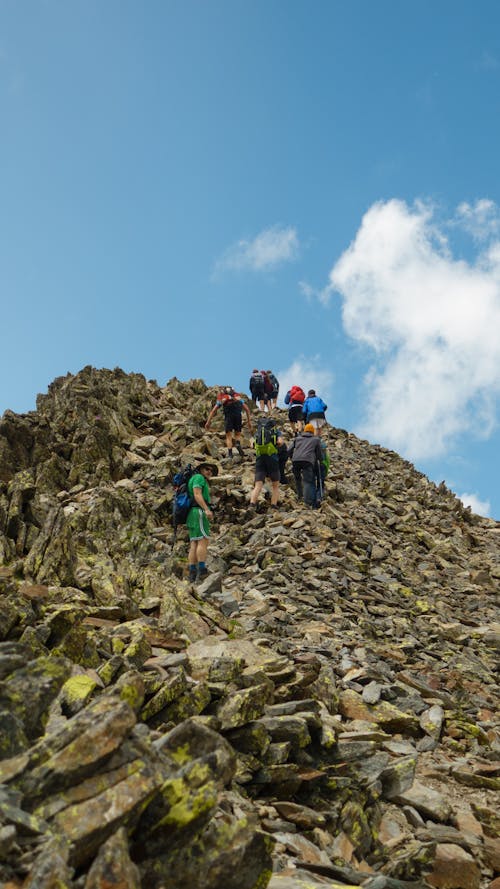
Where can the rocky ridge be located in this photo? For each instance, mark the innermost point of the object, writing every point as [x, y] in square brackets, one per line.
[320, 711]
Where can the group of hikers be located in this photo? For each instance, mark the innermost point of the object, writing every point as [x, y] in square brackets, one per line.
[308, 454]
[264, 389]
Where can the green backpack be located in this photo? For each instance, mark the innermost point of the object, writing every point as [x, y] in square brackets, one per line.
[266, 437]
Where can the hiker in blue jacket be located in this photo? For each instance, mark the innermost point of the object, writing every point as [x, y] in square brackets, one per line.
[313, 410]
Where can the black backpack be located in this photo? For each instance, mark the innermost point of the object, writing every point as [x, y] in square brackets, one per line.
[266, 437]
[182, 502]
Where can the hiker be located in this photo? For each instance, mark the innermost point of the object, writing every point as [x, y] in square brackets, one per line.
[324, 466]
[282, 460]
[313, 410]
[268, 390]
[305, 451]
[256, 386]
[232, 405]
[198, 519]
[268, 440]
[272, 392]
[295, 398]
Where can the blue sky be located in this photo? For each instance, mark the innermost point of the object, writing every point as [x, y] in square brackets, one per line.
[193, 189]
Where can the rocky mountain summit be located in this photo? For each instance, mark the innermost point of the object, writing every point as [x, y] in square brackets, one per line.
[319, 712]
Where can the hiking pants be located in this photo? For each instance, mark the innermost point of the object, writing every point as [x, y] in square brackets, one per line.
[305, 481]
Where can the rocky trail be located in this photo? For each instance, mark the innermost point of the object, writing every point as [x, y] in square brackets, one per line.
[321, 711]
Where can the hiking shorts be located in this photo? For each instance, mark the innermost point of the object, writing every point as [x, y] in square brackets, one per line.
[295, 413]
[258, 393]
[197, 524]
[232, 421]
[317, 422]
[267, 466]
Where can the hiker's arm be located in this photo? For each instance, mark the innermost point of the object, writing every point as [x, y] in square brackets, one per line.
[249, 418]
[200, 501]
[212, 412]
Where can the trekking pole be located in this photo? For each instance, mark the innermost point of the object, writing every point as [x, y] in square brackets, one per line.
[320, 482]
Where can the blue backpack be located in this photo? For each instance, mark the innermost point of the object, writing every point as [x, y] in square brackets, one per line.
[182, 502]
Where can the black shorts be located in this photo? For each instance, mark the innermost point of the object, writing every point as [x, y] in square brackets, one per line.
[267, 466]
[232, 421]
[258, 393]
[295, 413]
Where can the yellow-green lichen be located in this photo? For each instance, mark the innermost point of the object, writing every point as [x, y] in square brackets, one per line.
[181, 755]
[186, 803]
[78, 688]
[422, 605]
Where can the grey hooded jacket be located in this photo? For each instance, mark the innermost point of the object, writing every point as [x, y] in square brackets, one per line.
[305, 447]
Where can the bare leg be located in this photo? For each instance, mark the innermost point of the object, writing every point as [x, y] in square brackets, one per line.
[201, 549]
[255, 493]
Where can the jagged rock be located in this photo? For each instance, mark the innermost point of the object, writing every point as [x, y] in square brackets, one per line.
[228, 852]
[51, 868]
[112, 866]
[28, 692]
[331, 685]
[425, 800]
[454, 869]
[242, 706]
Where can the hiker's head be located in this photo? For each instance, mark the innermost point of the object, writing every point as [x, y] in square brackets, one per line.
[312, 392]
[309, 428]
[229, 390]
[208, 468]
[255, 370]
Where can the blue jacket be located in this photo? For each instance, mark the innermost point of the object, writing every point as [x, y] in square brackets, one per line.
[314, 406]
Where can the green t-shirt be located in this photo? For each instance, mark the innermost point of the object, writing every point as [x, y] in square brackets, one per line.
[198, 481]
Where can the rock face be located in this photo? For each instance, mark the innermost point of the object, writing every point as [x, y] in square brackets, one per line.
[320, 711]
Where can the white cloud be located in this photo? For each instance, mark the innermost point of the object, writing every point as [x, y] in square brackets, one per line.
[481, 507]
[432, 322]
[307, 290]
[481, 220]
[311, 292]
[270, 248]
[309, 373]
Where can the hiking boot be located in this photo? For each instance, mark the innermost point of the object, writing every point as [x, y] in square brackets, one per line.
[202, 573]
[192, 575]
[240, 450]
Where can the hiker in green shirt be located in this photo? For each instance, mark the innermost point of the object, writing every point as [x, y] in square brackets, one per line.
[198, 519]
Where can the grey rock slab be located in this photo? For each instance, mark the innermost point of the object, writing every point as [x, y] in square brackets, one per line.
[426, 801]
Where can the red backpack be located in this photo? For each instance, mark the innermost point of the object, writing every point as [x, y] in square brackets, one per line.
[297, 394]
[228, 395]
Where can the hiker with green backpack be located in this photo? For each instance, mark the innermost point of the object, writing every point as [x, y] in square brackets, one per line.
[268, 440]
